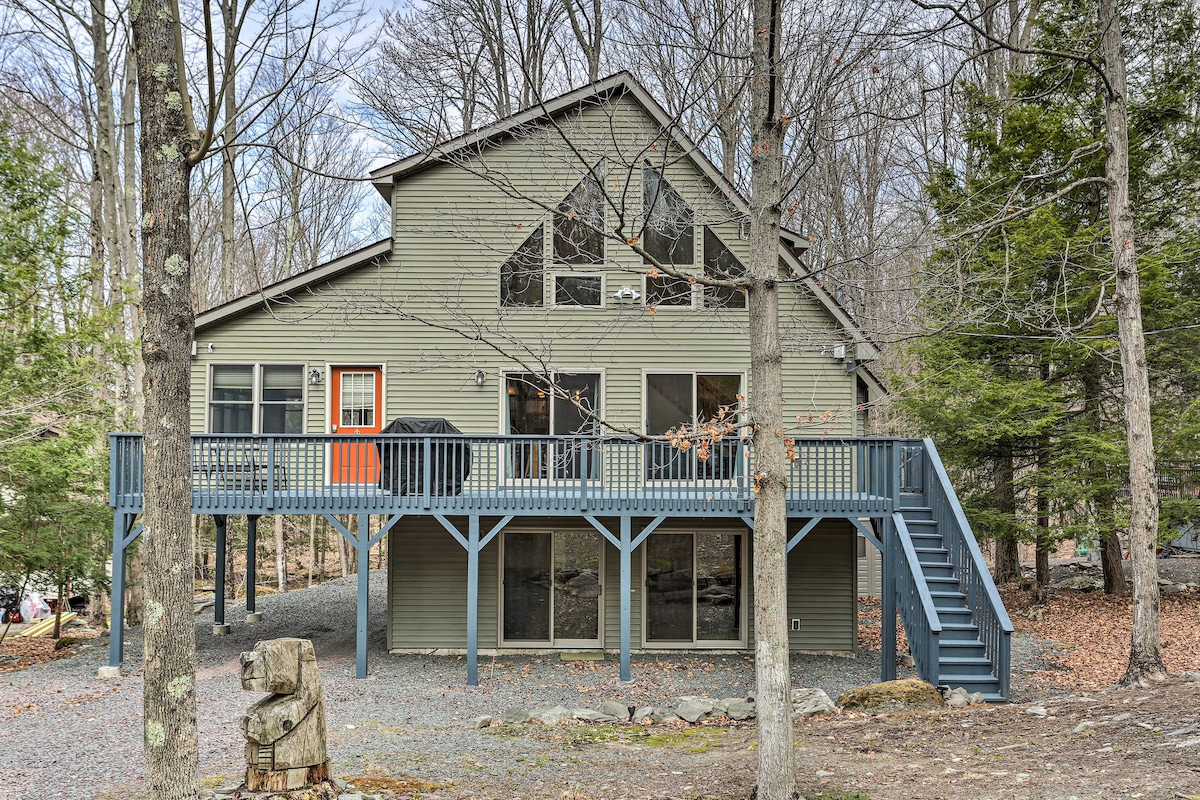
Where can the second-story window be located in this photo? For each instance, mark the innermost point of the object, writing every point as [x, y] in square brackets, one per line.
[667, 235]
[721, 264]
[521, 274]
[248, 398]
[579, 224]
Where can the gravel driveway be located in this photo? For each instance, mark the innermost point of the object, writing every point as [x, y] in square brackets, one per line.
[68, 735]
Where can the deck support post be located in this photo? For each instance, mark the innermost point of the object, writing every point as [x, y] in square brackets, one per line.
[251, 566]
[220, 628]
[362, 541]
[363, 550]
[626, 593]
[473, 543]
[625, 543]
[116, 634]
[887, 668]
[473, 600]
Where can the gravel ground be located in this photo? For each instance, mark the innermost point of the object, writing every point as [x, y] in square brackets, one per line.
[68, 735]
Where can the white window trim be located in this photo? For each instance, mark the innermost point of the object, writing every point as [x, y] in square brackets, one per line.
[562, 273]
[696, 644]
[256, 401]
[668, 370]
[574, 644]
[695, 302]
[503, 391]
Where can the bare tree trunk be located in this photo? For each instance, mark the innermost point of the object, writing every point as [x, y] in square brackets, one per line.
[280, 555]
[170, 636]
[776, 754]
[229, 153]
[312, 545]
[342, 558]
[1145, 655]
[135, 597]
[1106, 501]
[1008, 560]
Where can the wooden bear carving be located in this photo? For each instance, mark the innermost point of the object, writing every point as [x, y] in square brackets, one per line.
[285, 732]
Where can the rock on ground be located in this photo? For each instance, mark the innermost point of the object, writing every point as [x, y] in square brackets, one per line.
[908, 694]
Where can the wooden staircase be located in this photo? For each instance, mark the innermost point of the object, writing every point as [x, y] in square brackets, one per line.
[962, 658]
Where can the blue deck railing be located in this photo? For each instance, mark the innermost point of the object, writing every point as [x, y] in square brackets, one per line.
[309, 474]
[987, 609]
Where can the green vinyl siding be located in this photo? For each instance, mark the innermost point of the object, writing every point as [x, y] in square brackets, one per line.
[427, 587]
[822, 589]
[452, 230]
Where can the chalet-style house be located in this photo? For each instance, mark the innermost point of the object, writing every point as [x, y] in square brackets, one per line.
[552, 522]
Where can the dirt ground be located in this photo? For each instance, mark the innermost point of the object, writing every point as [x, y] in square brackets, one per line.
[1070, 737]
[1136, 743]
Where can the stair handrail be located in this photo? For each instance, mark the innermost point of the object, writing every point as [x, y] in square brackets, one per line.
[926, 658]
[957, 533]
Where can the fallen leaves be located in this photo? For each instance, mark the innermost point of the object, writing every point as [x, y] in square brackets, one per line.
[1091, 632]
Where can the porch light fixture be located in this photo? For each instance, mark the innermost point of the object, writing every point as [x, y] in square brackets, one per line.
[480, 377]
[314, 376]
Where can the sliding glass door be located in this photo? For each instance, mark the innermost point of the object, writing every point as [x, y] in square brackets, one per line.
[551, 584]
[695, 594]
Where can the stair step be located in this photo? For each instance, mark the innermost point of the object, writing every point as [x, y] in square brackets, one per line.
[972, 683]
[942, 583]
[948, 600]
[937, 569]
[960, 648]
[965, 665]
[951, 614]
[916, 512]
[931, 551]
[919, 524]
[959, 631]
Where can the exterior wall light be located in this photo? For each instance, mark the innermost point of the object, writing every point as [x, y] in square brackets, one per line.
[314, 376]
[480, 377]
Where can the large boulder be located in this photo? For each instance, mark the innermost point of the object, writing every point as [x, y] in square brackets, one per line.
[551, 715]
[810, 702]
[694, 709]
[890, 697]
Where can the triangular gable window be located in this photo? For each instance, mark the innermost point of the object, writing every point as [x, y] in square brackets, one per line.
[667, 236]
[521, 274]
[579, 222]
[721, 264]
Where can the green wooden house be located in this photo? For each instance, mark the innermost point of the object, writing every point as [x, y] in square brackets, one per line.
[553, 521]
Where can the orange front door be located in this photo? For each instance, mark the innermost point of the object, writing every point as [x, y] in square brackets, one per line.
[356, 408]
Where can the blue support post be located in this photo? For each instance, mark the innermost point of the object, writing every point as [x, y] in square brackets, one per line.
[116, 636]
[251, 560]
[473, 601]
[363, 548]
[626, 590]
[219, 626]
[887, 669]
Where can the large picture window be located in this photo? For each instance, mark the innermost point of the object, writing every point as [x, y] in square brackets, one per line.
[575, 234]
[534, 409]
[689, 398]
[721, 264]
[668, 232]
[249, 398]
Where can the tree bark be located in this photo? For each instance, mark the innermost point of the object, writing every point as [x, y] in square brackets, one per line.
[135, 596]
[776, 754]
[169, 632]
[228, 153]
[1105, 500]
[1145, 655]
[1008, 561]
[280, 555]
